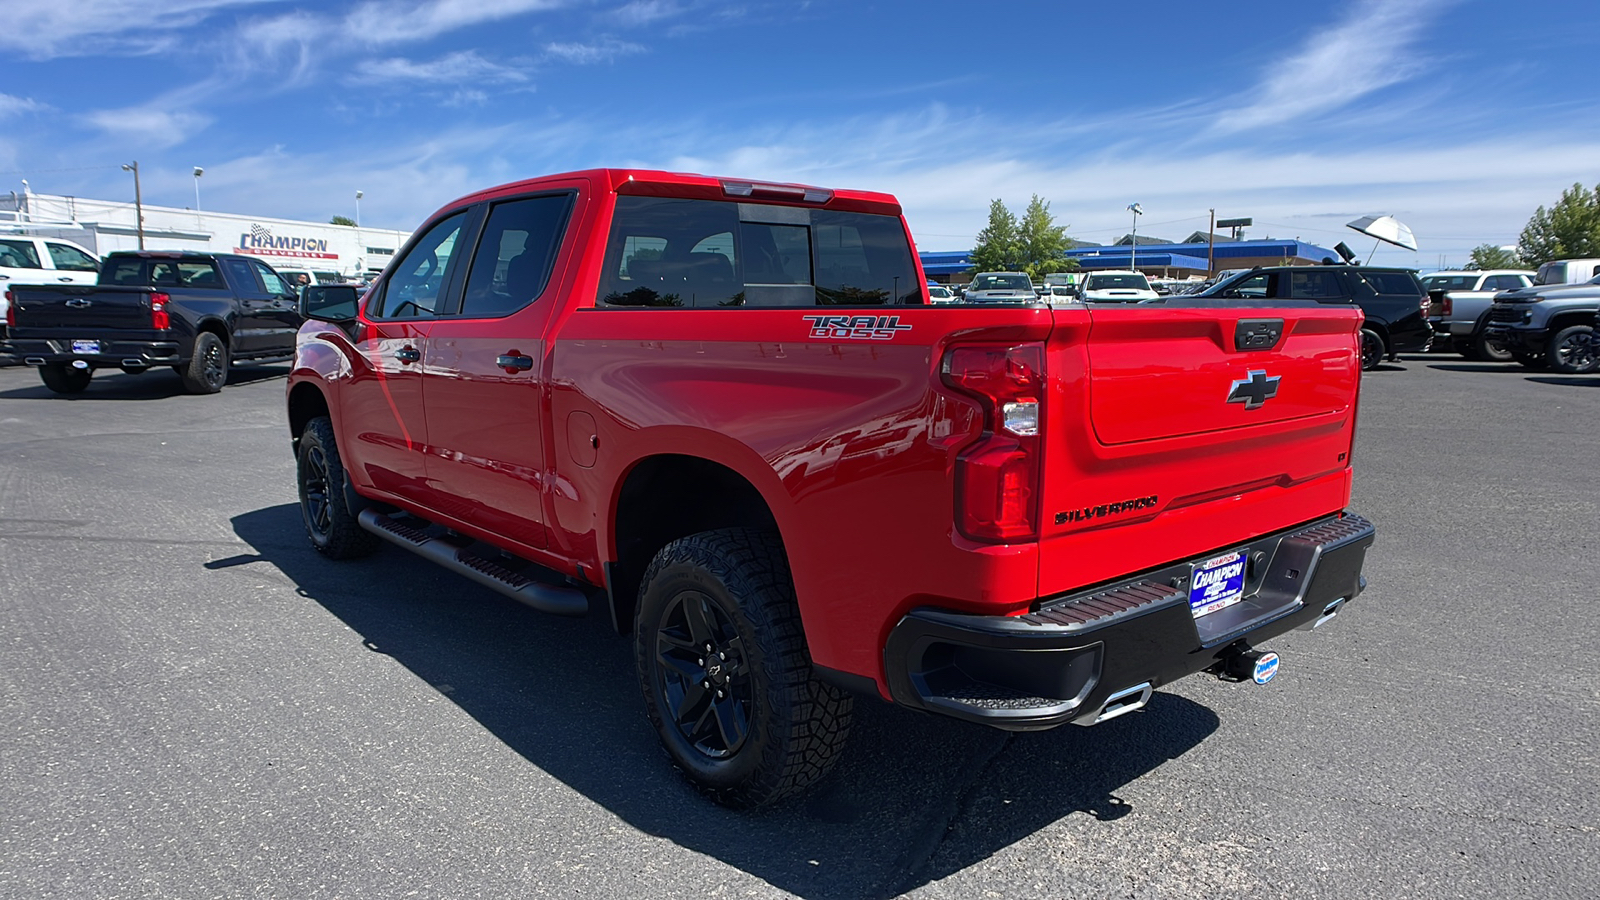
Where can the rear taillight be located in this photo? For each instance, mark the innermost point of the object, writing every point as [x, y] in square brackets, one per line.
[11, 310]
[1427, 301]
[997, 477]
[159, 320]
[1444, 306]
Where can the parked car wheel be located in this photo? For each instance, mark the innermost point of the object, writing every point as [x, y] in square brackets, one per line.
[207, 371]
[1372, 349]
[330, 524]
[1534, 361]
[1572, 350]
[64, 379]
[1483, 348]
[725, 673]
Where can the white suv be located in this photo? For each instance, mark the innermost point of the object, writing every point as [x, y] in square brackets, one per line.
[35, 260]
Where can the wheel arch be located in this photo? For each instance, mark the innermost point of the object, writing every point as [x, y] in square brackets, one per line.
[217, 327]
[306, 402]
[666, 496]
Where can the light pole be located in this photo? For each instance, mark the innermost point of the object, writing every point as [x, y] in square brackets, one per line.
[138, 201]
[358, 209]
[197, 173]
[1133, 254]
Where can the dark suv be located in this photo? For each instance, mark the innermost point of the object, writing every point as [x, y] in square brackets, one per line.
[1393, 299]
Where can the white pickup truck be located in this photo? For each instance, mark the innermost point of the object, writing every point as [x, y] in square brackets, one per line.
[35, 260]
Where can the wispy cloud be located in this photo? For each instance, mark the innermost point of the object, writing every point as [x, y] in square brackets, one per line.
[13, 106]
[45, 29]
[453, 68]
[1369, 50]
[645, 12]
[385, 22]
[149, 125]
[591, 53]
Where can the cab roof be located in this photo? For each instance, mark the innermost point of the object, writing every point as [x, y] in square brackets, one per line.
[654, 183]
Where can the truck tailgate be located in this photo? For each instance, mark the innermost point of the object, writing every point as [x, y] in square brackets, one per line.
[85, 308]
[1207, 426]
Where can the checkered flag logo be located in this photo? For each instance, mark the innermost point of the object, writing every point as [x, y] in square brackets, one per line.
[260, 233]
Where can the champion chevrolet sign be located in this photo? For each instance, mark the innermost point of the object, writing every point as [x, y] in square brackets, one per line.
[259, 241]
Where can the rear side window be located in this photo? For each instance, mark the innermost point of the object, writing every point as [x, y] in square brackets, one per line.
[123, 270]
[18, 255]
[1393, 283]
[514, 256]
[1315, 284]
[71, 259]
[244, 277]
[704, 253]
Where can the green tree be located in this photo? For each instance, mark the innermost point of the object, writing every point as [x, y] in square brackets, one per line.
[1488, 256]
[342, 220]
[1043, 242]
[1570, 228]
[999, 243]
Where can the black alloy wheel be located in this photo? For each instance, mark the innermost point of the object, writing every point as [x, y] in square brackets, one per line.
[334, 531]
[1372, 349]
[207, 370]
[314, 483]
[702, 679]
[1572, 351]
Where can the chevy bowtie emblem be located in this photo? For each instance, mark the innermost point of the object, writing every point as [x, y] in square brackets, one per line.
[1254, 389]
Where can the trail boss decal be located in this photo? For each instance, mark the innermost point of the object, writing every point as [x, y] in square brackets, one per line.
[1107, 509]
[856, 328]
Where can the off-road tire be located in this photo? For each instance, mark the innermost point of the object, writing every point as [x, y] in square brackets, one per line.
[64, 379]
[207, 370]
[794, 724]
[319, 472]
[1487, 350]
[1373, 349]
[1572, 351]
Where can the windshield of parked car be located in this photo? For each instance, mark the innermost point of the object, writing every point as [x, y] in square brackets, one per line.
[1001, 283]
[1130, 282]
[1451, 282]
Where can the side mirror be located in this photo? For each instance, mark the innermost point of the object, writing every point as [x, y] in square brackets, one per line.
[335, 303]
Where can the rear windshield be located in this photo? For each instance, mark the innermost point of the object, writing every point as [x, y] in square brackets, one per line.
[1001, 283]
[1104, 282]
[139, 272]
[1551, 273]
[666, 252]
[1450, 282]
[1392, 282]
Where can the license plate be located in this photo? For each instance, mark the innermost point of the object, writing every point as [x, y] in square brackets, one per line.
[85, 346]
[1216, 584]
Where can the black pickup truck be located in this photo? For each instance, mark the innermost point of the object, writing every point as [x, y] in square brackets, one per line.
[193, 312]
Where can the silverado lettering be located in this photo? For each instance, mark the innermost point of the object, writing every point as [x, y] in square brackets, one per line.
[785, 533]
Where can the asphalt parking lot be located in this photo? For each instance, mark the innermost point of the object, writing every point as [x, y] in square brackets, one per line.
[193, 704]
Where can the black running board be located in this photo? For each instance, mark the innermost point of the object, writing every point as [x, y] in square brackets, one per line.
[541, 595]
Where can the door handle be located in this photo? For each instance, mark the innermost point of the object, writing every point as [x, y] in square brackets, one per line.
[67, 278]
[514, 362]
[408, 354]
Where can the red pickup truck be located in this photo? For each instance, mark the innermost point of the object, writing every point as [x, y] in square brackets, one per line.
[725, 412]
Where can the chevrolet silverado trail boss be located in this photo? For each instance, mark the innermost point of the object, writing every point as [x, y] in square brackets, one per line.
[193, 312]
[726, 413]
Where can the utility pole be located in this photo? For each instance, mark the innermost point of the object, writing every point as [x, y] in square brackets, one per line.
[138, 201]
[1211, 246]
[1133, 255]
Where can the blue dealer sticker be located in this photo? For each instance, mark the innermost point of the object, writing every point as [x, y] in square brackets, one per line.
[1266, 667]
[1216, 584]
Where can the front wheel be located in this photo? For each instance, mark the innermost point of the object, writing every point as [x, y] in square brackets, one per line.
[726, 677]
[207, 370]
[64, 379]
[330, 524]
[1572, 350]
[1491, 350]
[1372, 349]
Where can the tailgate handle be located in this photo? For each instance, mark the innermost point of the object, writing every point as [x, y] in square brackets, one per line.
[1257, 334]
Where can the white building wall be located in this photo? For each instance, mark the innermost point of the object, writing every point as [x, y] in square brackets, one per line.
[104, 226]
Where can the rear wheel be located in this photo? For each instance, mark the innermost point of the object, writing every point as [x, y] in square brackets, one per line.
[726, 676]
[64, 379]
[207, 370]
[1572, 350]
[329, 522]
[1372, 349]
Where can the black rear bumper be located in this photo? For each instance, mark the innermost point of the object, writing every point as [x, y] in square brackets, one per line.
[114, 352]
[1086, 656]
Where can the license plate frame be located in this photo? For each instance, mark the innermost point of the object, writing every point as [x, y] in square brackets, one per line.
[1216, 583]
[85, 347]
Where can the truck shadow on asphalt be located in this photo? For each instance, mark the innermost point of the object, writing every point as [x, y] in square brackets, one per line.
[914, 798]
[157, 384]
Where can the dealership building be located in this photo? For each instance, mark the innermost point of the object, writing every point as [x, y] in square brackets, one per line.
[331, 252]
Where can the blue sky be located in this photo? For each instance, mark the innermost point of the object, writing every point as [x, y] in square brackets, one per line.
[1457, 117]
